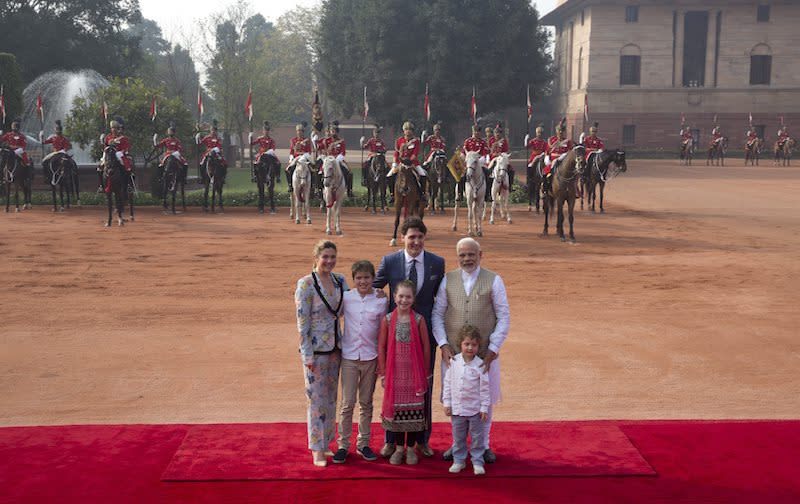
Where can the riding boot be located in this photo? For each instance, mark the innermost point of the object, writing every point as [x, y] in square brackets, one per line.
[488, 197]
[364, 175]
[348, 179]
[390, 184]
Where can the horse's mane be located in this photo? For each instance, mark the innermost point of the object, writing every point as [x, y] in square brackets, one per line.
[472, 157]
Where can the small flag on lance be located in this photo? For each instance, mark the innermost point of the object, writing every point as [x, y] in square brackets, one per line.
[427, 105]
[473, 107]
[715, 118]
[40, 108]
[248, 106]
[750, 119]
[104, 110]
[153, 109]
[199, 103]
[366, 104]
[2, 106]
[530, 105]
[683, 119]
[586, 107]
[782, 121]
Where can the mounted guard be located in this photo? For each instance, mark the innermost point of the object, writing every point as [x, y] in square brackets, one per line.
[336, 147]
[716, 136]
[406, 150]
[783, 135]
[266, 146]
[213, 144]
[499, 145]
[172, 147]
[557, 148]
[375, 146]
[436, 144]
[121, 145]
[16, 141]
[299, 146]
[60, 143]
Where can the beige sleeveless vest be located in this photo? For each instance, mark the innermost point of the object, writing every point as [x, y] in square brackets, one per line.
[476, 310]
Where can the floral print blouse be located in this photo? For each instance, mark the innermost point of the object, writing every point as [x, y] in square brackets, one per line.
[315, 323]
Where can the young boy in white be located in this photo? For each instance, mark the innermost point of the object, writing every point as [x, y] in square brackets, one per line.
[465, 395]
[363, 311]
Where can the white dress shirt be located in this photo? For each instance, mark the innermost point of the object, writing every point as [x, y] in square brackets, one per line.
[465, 388]
[420, 267]
[499, 301]
[362, 322]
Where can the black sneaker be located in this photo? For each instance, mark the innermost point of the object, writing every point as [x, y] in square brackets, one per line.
[367, 453]
[340, 456]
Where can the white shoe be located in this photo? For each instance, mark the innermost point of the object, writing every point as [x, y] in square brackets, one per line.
[457, 467]
[319, 458]
[478, 470]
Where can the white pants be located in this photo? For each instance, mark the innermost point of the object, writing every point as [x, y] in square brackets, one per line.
[420, 171]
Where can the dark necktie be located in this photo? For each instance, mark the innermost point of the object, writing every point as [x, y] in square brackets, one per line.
[412, 273]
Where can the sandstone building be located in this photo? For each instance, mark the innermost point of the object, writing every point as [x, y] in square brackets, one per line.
[640, 64]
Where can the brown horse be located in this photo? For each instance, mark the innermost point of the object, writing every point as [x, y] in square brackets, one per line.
[752, 151]
[784, 151]
[716, 152]
[409, 200]
[563, 189]
[687, 151]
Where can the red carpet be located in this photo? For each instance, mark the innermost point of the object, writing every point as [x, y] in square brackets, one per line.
[279, 452]
[696, 462]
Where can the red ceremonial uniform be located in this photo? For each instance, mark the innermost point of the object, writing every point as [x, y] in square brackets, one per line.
[752, 137]
[299, 145]
[322, 146]
[783, 136]
[16, 140]
[171, 145]
[120, 143]
[335, 146]
[59, 142]
[435, 142]
[497, 146]
[537, 146]
[686, 136]
[264, 143]
[407, 148]
[715, 136]
[592, 144]
[211, 141]
[555, 148]
[375, 146]
[473, 144]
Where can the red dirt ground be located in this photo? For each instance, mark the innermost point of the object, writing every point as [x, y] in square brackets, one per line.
[678, 302]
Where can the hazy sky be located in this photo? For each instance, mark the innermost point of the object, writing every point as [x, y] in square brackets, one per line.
[175, 17]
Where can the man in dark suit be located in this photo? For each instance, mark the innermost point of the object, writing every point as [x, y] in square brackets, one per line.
[426, 270]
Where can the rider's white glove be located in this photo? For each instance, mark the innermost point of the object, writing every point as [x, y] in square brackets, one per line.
[271, 152]
[547, 159]
[120, 155]
[19, 151]
[197, 139]
[527, 138]
[314, 137]
[394, 165]
[215, 149]
[340, 158]
[250, 138]
[103, 138]
[155, 139]
[176, 155]
[361, 142]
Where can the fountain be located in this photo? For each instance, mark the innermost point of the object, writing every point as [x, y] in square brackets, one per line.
[58, 89]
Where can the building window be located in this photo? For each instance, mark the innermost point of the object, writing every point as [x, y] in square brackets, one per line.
[763, 14]
[632, 14]
[695, 36]
[629, 70]
[629, 134]
[760, 130]
[582, 18]
[580, 67]
[760, 68]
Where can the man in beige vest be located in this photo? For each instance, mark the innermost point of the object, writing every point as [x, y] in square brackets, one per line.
[476, 296]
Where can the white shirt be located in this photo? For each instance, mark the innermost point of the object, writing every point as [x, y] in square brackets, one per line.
[499, 301]
[362, 322]
[465, 388]
[420, 267]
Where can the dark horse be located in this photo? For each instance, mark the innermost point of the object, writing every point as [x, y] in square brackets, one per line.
[596, 173]
[376, 182]
[716, 152]
[173, 175]
[267, 171]
[408, 197]
[563, 189]
[752, 151]
[438, 181]
[17, 174]
[534, 182]
[115, 184]
[783, 151]
[60, 173]
[213, 178]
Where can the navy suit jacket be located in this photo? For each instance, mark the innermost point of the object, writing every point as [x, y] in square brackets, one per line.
[392, 271]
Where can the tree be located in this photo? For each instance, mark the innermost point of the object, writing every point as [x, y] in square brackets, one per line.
[12, 88]
[130, 100]
[70, 34]
[497, 46]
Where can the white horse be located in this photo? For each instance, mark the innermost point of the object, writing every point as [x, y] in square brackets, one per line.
[301, 194]
[333, 192]
[475, 191]
[500, 187]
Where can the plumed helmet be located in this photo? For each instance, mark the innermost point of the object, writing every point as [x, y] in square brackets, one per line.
[334, 127]
[498, 128]
[593, 127]
[301, 126]
[214, 125]
[539, 129]
[437, 126]
[267, 126]
[488, 130]
[59, 128]
[377, 128]
[476, 128]
[171, 128]
[116, 122]
[15, 124]
[408, 125]
[562, 126]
